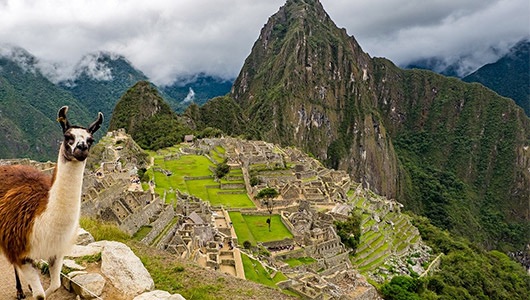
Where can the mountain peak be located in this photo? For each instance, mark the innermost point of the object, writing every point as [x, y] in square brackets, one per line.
[20, 56]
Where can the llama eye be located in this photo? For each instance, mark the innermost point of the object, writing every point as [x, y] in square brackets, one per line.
[69, 139]
[90, 141]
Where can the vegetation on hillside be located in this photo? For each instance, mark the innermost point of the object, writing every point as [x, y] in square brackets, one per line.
[28, 108]
[459, 153]
[509, 76]
[221, 113]
[465, 272]
[148, 118]
[349, 230]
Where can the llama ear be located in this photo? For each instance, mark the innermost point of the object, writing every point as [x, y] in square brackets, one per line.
[61, 118]
[96, 124]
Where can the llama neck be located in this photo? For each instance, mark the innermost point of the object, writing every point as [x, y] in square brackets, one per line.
[67, 184]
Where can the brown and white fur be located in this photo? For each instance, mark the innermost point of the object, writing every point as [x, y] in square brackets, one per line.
[39, 214]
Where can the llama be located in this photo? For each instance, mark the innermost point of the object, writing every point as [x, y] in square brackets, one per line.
[39, 214]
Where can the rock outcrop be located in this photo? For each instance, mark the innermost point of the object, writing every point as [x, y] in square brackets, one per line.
[124, 269]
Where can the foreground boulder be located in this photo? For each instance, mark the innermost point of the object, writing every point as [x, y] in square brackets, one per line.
[124, 269]
[88, 286]
[159, 295]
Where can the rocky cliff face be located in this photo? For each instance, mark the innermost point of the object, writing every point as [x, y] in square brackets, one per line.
[307, 83]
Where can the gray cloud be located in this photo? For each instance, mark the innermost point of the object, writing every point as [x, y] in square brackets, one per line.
[166, 39]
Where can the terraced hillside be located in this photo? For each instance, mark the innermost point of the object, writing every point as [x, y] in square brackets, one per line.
[390, 245]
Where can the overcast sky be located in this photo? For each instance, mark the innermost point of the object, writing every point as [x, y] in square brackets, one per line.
[169, 38]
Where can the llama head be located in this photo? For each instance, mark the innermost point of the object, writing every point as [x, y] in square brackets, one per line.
[77, 139]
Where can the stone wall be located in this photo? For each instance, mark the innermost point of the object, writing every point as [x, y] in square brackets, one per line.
[133, 222]
[159, 224]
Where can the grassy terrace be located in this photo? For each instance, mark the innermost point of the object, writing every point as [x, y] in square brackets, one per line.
[294, 262]
[256, 272]
[218, 154]
[184, 174]
[255, 229]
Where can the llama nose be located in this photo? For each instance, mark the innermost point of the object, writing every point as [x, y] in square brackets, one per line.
[82, 146]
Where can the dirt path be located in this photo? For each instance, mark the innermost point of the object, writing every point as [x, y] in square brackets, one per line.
[7, 284]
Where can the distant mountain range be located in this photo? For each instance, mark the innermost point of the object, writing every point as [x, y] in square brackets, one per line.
[29, 100]
[28, 107]
[196, 89]
[509, 76]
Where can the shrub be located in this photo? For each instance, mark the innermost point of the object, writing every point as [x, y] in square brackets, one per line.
[247, 245]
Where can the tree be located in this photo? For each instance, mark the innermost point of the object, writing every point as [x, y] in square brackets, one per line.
[221, 170]
[247, 244]
[268, 194]
[254, 180]
[401, 288]
[349, 231]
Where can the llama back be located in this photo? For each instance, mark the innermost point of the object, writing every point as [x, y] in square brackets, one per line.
[23, 196]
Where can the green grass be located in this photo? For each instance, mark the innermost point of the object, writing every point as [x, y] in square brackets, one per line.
[260, 230]
[255, 229]
[230, 200]
[187, 165]
[197, 187]
[102, 230]
[195, 166]
[293, 262]
[254, 271]
[235, 172]
[241, 228]
[218, 154]
[166, 229]
[142, 232]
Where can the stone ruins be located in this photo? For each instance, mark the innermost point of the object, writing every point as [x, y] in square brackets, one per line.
[310, 199]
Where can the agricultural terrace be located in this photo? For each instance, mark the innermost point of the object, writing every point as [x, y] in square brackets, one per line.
[254, 228]
[255, 271]
[192, 174]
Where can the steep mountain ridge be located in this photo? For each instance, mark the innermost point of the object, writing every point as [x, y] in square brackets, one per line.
[453, 151]
[305, 84]
[28, 107]
[147, 117]
[101, 79]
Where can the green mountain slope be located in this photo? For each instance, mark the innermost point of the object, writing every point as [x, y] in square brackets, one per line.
[509, 76]
[145, 115]
[453, 151]
[465, 152]
[28, 108]
[101, 79]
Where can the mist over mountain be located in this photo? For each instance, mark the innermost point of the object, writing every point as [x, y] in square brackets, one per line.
[100, 79]
[459, 66]
[196, 89]
[28, 107]
[509, 76]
